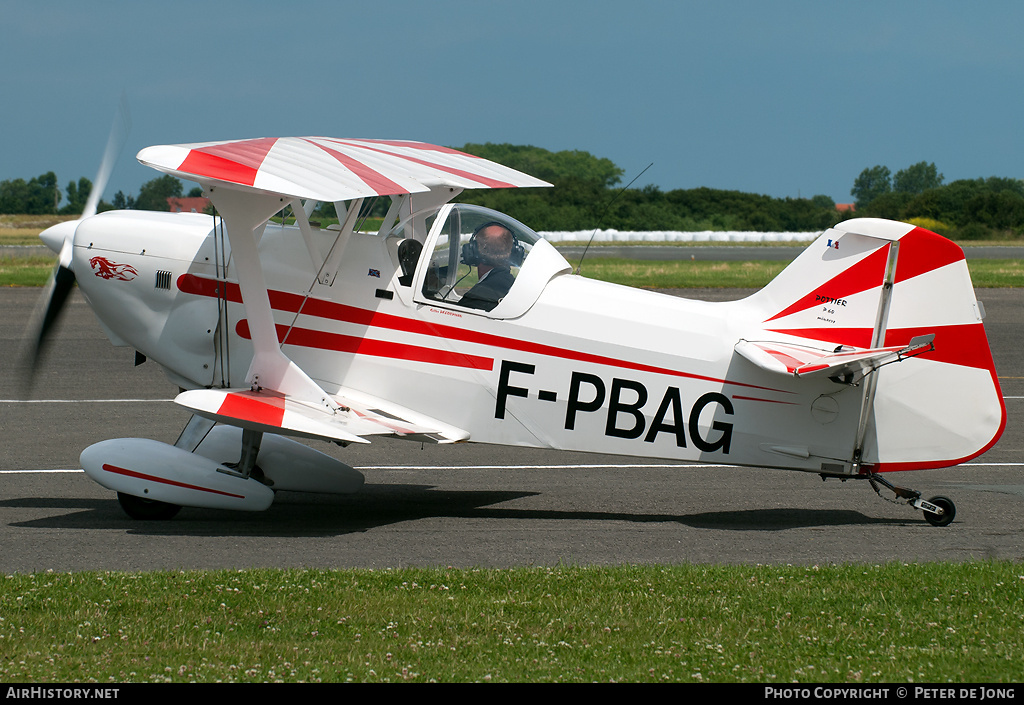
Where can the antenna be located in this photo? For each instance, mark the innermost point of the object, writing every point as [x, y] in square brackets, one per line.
[610, 204]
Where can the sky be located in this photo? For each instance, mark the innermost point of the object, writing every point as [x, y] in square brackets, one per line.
[790, 98]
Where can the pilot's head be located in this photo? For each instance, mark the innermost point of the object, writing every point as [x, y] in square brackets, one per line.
[494, 243]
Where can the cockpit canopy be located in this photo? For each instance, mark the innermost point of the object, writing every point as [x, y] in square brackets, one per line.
[472, 258]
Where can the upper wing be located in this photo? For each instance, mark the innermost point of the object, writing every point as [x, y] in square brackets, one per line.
[330, 170]
[250, 180]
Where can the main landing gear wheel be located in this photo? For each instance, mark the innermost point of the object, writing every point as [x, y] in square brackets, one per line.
[948, 512]
[146, 509]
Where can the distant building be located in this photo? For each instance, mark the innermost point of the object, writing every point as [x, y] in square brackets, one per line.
[844, 207]
[188, 205]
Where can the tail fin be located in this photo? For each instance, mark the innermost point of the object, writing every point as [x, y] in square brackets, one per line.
[870, 284]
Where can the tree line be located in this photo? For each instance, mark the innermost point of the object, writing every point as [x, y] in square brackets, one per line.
[966, 209]
[42, 195]
[588, 195]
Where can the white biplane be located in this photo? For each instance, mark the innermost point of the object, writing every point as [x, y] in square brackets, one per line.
[866, 355]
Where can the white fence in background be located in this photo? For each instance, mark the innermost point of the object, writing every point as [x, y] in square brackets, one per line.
[583, 236]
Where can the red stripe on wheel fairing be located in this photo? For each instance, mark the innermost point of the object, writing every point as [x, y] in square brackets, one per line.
[153, 478]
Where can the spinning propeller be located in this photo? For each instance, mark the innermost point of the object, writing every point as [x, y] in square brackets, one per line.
[61, 237]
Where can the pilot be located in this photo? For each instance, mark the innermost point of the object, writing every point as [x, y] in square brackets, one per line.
[491, 250]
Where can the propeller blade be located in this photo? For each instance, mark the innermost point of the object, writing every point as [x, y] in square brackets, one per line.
[61, 239]
[114, 145]
[63, 282]
[55, 297]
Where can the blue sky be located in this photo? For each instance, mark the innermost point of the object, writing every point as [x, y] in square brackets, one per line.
[786, 98]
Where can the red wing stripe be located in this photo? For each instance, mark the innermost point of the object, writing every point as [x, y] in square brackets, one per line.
[487, 181]
[153, 478]
[808, 368]
[789, 361]
[422, 146]
[235, 162]
[374, 179]
[263, 407]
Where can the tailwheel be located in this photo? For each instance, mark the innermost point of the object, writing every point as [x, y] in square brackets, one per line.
[938, 511]
[948, 511]
[146, 509]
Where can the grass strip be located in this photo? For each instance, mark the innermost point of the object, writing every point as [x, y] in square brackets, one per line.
[683, 274]
[932, 623]
[26, 271]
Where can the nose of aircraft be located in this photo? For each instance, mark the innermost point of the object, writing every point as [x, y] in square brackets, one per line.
[55, 236]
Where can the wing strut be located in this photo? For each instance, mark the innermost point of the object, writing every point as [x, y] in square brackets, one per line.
[244, 213]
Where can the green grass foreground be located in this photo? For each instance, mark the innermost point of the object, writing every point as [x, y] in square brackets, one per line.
[680, 274]
[931, 623]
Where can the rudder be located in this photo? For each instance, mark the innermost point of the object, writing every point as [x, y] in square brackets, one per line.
[872, 283]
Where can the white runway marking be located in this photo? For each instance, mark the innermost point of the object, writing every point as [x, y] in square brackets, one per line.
[522, 467]
[132, 401]
[80, 401]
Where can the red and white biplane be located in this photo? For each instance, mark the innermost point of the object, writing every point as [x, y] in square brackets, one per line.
[866, 355]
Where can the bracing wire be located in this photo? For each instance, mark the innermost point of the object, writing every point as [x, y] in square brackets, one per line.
[606, 209]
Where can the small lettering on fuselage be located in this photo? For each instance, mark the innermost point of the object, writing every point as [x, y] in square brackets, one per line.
[829, 300]
[626, 399]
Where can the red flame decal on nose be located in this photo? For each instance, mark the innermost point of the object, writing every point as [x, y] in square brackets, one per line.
[105, 269]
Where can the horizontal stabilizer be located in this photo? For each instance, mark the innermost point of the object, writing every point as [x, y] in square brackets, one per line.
[270, 411]
[805, 360]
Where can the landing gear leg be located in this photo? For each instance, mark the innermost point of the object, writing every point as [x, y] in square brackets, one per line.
[938, 511]
[246, 466]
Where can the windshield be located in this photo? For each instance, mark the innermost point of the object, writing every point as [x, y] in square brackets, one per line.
[476, 257]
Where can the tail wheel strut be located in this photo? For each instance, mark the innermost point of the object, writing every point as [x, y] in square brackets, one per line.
[938, 511]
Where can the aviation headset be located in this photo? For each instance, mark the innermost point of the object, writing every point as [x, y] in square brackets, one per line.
[471, 250]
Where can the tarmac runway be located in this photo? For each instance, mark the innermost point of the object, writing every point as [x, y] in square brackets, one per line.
[467, 505]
